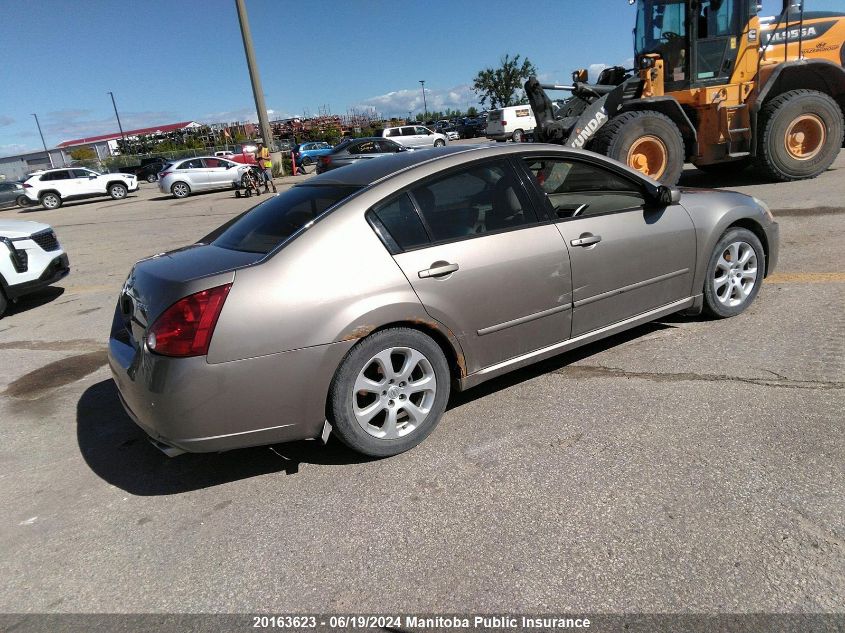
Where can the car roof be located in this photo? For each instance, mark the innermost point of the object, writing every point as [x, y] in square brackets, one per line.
[368, 172]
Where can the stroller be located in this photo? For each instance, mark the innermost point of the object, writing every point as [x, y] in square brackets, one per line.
[249, 182]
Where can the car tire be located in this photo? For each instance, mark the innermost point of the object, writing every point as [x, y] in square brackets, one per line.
[814, 116]
[734, 273]
[152, 178]
[50, 200]
[118, 191]
[4, 303]
[647, 141]
[439, 142]
[518, 136]
[390, 415]
[180, 189]
[22, 201]
[306, 161]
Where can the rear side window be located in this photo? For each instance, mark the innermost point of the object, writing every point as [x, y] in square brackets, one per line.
[195, 163]
[269, 224]
[365, 147]
[479, 199]
[394, 131]
[402, 222]
[408, 131]
[494, 115]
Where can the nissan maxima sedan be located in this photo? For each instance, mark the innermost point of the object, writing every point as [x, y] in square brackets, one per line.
[354, 303]
[357, 150]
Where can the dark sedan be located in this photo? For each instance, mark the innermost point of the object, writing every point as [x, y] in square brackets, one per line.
[356, 150]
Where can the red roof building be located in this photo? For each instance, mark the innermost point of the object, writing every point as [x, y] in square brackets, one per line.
[161, 129]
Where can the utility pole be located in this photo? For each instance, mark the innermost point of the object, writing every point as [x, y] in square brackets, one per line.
[42, 141]
[119, 126]
[257, 90]
[425, 107]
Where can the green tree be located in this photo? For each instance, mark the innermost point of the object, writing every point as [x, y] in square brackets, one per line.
[502, 86]
[83, 153]
[472, 111]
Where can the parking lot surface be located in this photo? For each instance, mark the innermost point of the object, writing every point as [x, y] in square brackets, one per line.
[687, 465]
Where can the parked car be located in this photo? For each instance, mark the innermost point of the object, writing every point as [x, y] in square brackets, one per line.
[308, 153]
[353, 303]
[202, 173]
[147, 170]
[12, 193]
[52, 187]
[471, 128]
[224, 153]
[511, 123]
[451, 133]
[414, 136]
[31, 258]
[357, 150]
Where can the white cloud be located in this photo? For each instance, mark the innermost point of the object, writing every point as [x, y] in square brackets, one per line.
[66, 125]
[13, 149]
[246, 114]
[399, 102]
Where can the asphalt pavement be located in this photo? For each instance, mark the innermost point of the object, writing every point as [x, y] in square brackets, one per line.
[689, 465]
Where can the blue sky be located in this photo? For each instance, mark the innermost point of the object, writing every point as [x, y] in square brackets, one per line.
[169, 61]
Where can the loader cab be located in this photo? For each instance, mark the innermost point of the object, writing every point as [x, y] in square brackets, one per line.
[698, 40]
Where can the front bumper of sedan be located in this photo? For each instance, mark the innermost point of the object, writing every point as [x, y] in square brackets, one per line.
[197, 406]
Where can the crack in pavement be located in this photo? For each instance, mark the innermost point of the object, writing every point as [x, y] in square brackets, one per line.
[81, 344]
[600, 371]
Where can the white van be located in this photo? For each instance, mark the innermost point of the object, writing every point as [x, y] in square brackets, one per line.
[513, 122]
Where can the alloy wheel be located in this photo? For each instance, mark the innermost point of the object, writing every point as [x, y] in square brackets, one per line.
[735, 274]
[394, 392]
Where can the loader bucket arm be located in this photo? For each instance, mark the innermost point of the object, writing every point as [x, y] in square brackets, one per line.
[548, 130]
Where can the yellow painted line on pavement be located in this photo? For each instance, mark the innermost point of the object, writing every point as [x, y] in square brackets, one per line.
[806, 278]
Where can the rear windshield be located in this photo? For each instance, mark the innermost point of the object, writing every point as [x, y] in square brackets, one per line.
[269, 224]
[494, 115]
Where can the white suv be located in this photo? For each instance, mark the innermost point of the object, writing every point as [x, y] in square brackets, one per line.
[30, 259]
[53, 186]
[414, 136]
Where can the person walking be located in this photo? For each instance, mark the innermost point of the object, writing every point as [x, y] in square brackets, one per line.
[267, 166]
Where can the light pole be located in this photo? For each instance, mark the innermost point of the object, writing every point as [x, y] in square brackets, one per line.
[425, 107]
[119, 126]
[257, 90]
[409, 115]
[42, 141]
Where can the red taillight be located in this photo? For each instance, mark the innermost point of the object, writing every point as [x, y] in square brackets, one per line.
[326, 160]
[504, 123]
[163, 174]
[185, 328]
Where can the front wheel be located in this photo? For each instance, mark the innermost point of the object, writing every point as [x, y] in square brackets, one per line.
[389, 392]
[647, 141]
[117, 191]
[4, 303]
[734, 273]
[439, 142]
[518, 136]
[180, 190]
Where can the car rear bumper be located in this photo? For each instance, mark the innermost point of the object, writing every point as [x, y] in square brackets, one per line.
[196, 406]
[57, 269]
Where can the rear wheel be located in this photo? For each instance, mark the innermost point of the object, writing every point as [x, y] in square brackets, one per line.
[180, 190]
[306, 161]
[51, 200]
[800, 135]
[734, 273]
[439, 142]
[518, 136]
[649, 142]
[22, 201]
[117, 191]
[151, 178]
[3, 303]
[389, 392]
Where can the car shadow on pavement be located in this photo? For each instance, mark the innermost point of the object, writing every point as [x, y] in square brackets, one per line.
[34, 300]
[118, 451]
[692, 177]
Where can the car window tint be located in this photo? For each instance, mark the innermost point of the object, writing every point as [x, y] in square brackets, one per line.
[393, 132]
[213, 162]
[387, 147]
[81, 173]
[269, 224]
[421, 130]
[402, 222]
[195, 163]
[364, 147]
[408, 131]
[577, 189]
[478, 199]
[57, 175]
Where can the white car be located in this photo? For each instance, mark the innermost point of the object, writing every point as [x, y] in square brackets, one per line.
[511, 123]
[53, 186]
[414, 136]
[30, 259]
[187, 175]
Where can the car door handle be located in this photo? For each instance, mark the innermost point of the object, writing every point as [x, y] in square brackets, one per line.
[586, 239]
[439, 270]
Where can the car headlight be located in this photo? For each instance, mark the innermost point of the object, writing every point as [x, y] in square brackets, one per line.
[766, 209]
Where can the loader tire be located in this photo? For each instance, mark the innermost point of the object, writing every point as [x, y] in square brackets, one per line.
[799, 135]
[649, 142]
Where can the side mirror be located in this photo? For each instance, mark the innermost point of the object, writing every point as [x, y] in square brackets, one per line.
[91, 177]
[668, 195]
